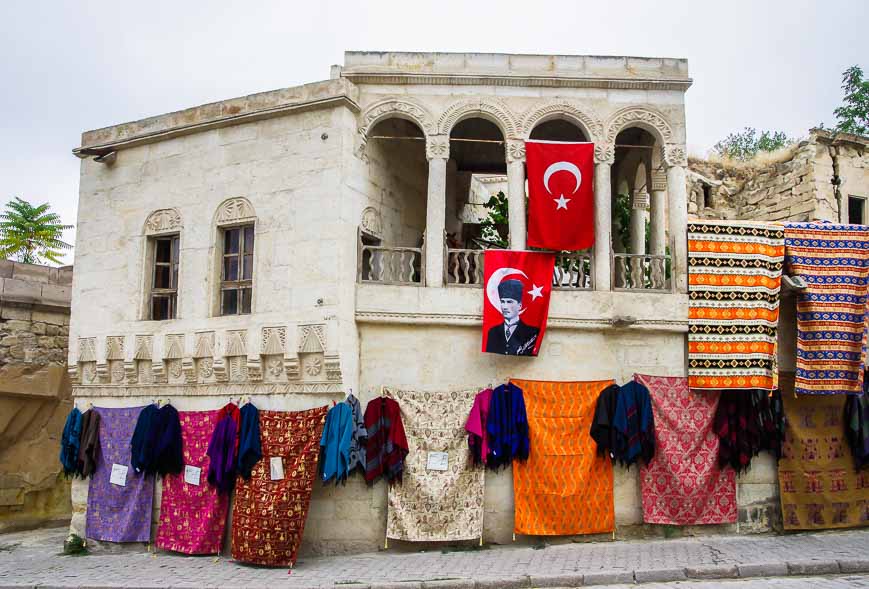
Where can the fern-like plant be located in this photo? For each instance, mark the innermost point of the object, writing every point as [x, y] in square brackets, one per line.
[31, 234]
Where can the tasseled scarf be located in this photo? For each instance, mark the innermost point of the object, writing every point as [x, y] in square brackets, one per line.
[507, 426]
[69, 443]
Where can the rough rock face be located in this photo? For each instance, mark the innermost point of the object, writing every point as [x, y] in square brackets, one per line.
[34, 393]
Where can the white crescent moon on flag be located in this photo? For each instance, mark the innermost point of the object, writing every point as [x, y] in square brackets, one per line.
[562, 167]
[494, 281]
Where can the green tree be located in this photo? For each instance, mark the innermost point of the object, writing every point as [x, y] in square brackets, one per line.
[747, 143]
[853, 115]
[31, 234]
[497, 208]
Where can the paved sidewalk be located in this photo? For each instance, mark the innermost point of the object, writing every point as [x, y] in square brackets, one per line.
[33, 559]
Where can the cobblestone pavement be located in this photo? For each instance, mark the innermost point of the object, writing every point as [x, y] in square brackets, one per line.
[32, 559]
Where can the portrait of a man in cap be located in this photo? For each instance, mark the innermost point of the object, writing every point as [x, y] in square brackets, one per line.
[512, 337]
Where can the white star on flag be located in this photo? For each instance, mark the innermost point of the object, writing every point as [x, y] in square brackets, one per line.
[535, 292]
[562, 202]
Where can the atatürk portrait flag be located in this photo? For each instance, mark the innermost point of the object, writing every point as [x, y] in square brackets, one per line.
[560, 195]
[516, 302]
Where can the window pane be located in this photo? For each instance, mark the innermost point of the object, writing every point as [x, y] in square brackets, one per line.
[175, 252]
[248, 267]
[230, 268]
[161, 277]
[230, 241]
[246, 295]
[856, 211]
[229, 302]
[174, 276]
[164, 250]
[162, 307]
[248, 239]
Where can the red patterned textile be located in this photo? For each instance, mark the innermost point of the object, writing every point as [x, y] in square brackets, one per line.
[268, 516]
[193, 516]
[682, 485]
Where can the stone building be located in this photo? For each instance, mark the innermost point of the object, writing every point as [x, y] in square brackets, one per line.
[35, 393]
[290, 245]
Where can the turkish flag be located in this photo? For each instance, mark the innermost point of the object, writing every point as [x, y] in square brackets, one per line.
[560, 195]
[516, 305]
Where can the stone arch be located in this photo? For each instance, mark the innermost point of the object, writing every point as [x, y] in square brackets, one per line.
[494, 112]
[645, 118]
[163, 221]
[401, 109]
[234, 211]
[589, 124]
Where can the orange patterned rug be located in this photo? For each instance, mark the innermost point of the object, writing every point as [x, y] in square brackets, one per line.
[564, 487]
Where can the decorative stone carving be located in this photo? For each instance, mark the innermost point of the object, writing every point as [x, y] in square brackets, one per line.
[437, 147]
[205, 368]
[131, 373]
[274, 366]
[333, 368]
[254, 369]
[236, 343]
[372, 222]
[313, 365]
[291, 367]
[590, 124]
[87, 349]
[102, 373]
[659, 180]
[115, 347]
[163, 221]
[639, 117]
[487, 109]
[204, 347]
[219, 368]
[274, 341]
[188, 368]
[515, 150]
[641, 199]
[395, 108]
[143, 348]
[116, 371]
[174, 349]
[604, 153]
[674, 155]
[235, 210]
[143, 372]
[174, 368]
[237, 368]
[312, 338]
[211, 389]
[88, 372]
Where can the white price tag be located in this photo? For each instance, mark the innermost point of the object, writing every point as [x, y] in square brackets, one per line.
[437, 461]
[192, 474]
[277, 467]
[119, 475]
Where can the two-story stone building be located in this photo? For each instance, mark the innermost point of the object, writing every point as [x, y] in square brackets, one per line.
[292, 246]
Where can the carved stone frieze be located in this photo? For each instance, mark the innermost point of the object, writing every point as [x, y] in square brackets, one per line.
[220, 372]
[274, 368]
[237, 368]
[639, 117]
[163, 221]
[589, 123]
[372, 222]
[204, 346]
[174, 348]
[102, 373]
[88, 372]
[236, 343]
[210, 389]
[144, 347]
[254, 369]
[131, 374]
[515, 150]
[188, 368]
[87, 349]
[235, 210]
[205, 368]
[333, 368]
[292, 368]
[659, 180]
[395, 108]
[675, 155]
[116, 371]
[115, 347]
[437, 147]
[274, 341]
[174, 369]
[312, 338]
[313, 364]
[489, 109]
[604, 153]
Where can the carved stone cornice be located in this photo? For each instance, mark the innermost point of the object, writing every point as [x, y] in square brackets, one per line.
[488, 108]
[397, 108]
[659, 180]
[212, 389]
[515, 150]
[437, 147]
[604, 153]
[675, 155]
[589, 123]
[643, 118]
[163, 221]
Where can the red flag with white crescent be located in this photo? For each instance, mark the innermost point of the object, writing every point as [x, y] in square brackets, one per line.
[560, 195]
[516, 304]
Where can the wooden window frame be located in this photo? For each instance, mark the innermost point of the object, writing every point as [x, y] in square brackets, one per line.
[173, 265]
[241, 284]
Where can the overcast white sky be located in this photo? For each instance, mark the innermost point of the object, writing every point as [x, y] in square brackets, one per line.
[66, 67]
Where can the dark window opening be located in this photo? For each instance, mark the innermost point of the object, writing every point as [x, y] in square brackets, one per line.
[707, 197]
[856, 210]
[236, 273]
[164, 287]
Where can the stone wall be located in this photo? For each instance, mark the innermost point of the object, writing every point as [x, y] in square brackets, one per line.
[34, 393]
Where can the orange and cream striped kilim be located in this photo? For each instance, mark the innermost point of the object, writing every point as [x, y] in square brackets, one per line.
[734, 279]
[564, 487]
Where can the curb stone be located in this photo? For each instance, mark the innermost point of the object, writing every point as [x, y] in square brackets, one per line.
[854, 566]
[763, 569]
[398, 585]
[659, 575]
[608, 577]
[714, 571]
[449, 584]
[813, 567]
[557, 580]
[522, 582]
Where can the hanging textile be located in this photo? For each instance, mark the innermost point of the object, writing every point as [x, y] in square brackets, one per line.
[89, 443]
[335, 444]
[747, 422]
[831, 312]
[270, 509]
[222, 449]
[734, 279]
[119, 498]
[683, 484]
[564, 487]
[818, 484]
[249, 445]
[507, 426]
[857, 428]
[602, 431]
[144, 440]
[192, 512]
[440, 497]
[155, 445]
[478, 437]
[635, 424]
[386, 445]
[360, 435]
[70, 440]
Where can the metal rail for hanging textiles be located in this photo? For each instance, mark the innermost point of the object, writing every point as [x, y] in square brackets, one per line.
[463, 140]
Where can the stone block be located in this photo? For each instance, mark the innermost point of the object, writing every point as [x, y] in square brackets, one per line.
[813, 567]
[51, 317]
[6, 268]
[608, 577]
[751, 493]
[715, 571]
[659, 575]
[38, 328]
[55, 294]
[449, 584]
[519, 582]
[573, 580]
[31, 273]
[12, 311]
[854, 565]
[763, 569]
[21, 290]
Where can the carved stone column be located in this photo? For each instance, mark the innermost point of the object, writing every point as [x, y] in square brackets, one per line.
[604, 156]
[639, 207]
[437, 151]
[658, 224]
[516, 193]
[676, 160]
